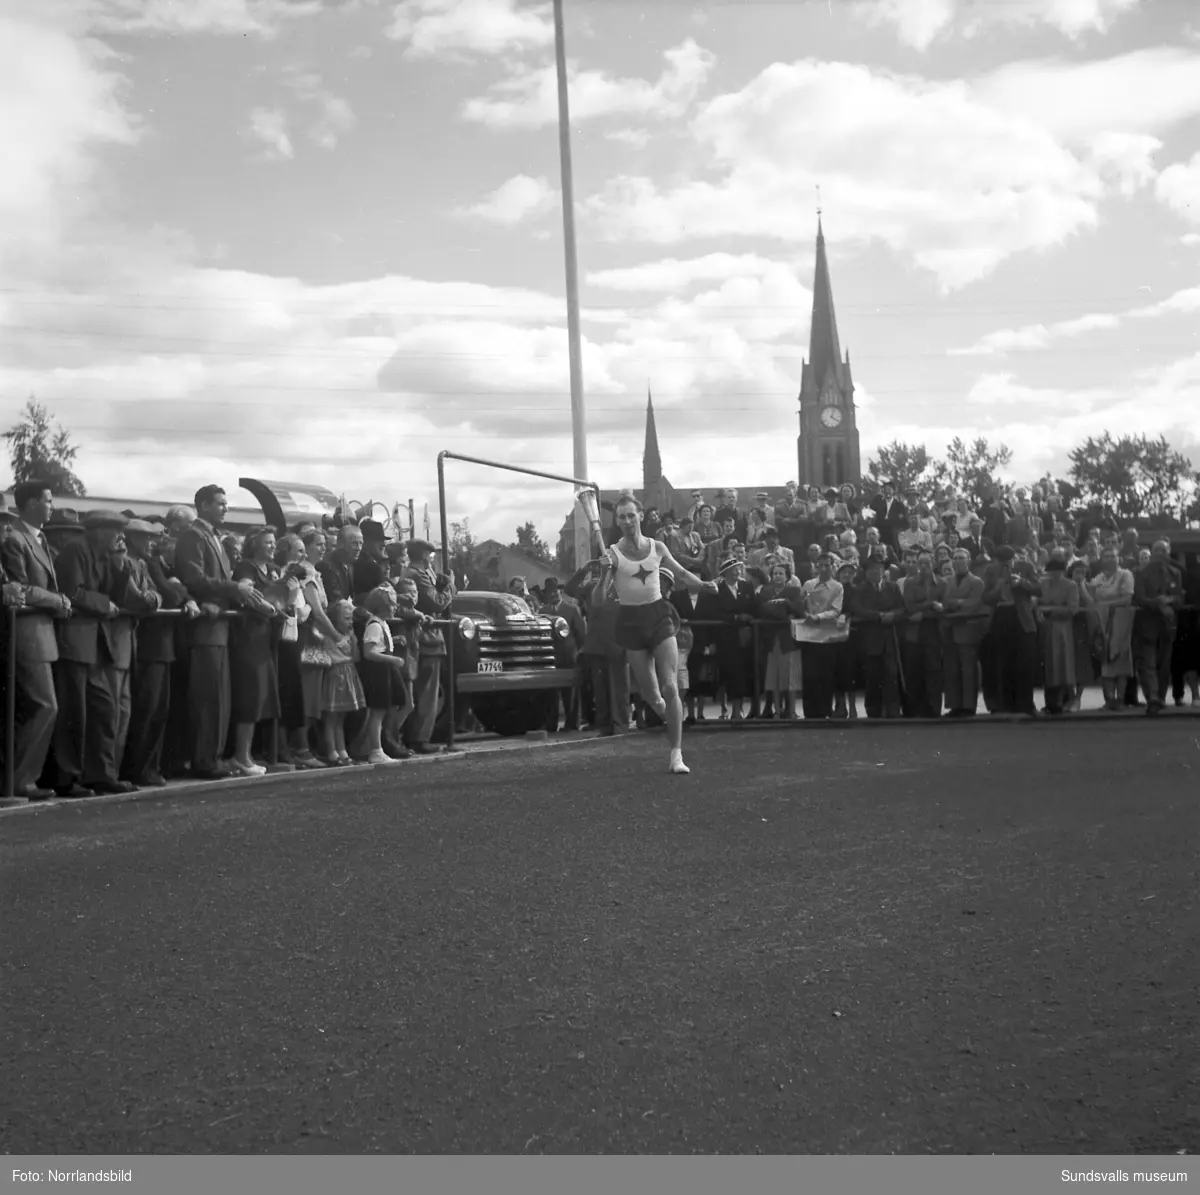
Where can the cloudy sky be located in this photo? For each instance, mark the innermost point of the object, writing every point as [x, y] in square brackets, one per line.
[321, 239]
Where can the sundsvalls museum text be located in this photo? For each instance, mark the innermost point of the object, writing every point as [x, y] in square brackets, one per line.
[1123, 1176]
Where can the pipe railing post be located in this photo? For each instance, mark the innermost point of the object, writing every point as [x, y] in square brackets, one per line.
[10, 705]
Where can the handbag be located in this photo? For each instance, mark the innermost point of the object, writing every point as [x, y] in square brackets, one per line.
[315, 656]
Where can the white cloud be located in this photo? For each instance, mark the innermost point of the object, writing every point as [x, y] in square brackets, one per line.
[520, 198]
[1129, 157]
[432, 28]
[259, 17]
[918, 23]
[1178, 186]
[1037, 336]
[336, 120]
[1143, 93]
[674, 273]
[923, 166]
[60, 107]
[634, 138]
[1182, 302]
[268, 127]
[1190, 238]
[528, 99]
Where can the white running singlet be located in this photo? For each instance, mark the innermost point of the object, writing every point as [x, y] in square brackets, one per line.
[637, 581]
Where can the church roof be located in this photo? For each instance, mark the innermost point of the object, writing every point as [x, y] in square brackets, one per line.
[824, 345]
[651, 458]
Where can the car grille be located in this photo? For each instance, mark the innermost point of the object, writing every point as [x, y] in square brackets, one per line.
[518, 645]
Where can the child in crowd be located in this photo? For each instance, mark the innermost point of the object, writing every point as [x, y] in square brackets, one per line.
[380, 669]
[407, 643]
[341, 689]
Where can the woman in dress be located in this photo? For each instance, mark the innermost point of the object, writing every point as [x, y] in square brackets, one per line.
[254, 683]
[779, 602]
[1057, 607]
[1112, 595]
[1083, 626]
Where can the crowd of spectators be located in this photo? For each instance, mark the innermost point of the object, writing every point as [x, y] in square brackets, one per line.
[145, 650]
[925, 601]
[326, 636]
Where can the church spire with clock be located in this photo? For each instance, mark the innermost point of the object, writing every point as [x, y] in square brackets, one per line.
[827, 448]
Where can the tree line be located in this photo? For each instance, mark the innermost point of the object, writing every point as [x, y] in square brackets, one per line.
[1136, 477]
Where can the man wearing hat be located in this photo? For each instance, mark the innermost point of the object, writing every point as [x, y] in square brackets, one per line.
[771, 546]
[1009, 589]
[435, 592]
[28, 562]
[556, 605]
[150, 682]
[876, 605]
[762, 514]
[95, 653]
[371, 568]
[790, 513]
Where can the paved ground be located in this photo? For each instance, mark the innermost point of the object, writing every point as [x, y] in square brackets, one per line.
[985, 944]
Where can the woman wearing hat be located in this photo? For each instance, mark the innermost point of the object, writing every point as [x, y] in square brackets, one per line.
[780, 603]
[645, 627]
[846, 655]
[1084, 628]
[1112, 594]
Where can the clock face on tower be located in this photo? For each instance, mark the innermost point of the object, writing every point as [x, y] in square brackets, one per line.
[831, 416]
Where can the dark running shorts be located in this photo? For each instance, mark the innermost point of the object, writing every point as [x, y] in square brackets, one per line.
[643, 628]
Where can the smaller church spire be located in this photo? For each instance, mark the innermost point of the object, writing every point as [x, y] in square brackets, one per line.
[651, 460]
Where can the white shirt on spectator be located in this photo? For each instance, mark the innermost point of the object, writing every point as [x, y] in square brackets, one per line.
[824, 599]
[378, 633]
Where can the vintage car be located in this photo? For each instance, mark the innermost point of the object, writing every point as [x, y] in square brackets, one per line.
[509, 661]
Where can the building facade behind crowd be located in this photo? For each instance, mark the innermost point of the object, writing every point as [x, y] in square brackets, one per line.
[923, 602]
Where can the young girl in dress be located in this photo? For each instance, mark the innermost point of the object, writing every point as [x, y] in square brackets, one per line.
[380, 669]
[341, 690]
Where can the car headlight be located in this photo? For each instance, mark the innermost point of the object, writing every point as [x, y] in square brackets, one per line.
[466, 628]
[561, 628]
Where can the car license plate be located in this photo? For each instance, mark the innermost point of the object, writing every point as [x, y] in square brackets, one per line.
[489, 666]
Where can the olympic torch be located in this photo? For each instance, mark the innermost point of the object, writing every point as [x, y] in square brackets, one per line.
[590, 505]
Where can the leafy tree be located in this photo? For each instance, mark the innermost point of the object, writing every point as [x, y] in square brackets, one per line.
[462, 552]
[1138, 477]
[974, 469]
[905, 465]
[529, 541]
[38, 447]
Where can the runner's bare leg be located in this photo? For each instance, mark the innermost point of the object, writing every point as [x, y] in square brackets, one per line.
[641, 665]
[666, 664]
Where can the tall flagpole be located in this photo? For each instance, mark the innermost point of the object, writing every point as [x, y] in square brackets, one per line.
[578, 414]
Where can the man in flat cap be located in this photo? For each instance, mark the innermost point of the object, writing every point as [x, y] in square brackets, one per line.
[155, 657]
[372, 567]
[1010, 586]
[435, 592]
[95, 653]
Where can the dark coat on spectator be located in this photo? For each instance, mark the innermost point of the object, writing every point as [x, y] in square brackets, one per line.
[868, 604]
[432, 601]
[337, 574]
[156, 636]
[95, 582]
[201, 564]
[367, 574]
[28, 562]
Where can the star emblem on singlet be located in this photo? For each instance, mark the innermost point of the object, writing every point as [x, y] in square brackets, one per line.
[644, 574]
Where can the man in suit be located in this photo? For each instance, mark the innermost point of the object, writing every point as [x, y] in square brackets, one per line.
[875, 607]
[601, 654]
[963, 621]
[95, 653]
[891, 515]
[1157, 595]
[155, 655]
[435, 592]
[371, 567]
[922, 640]
[1009, 590]
[203, 567]
[337, 569]
[556, 605]
[27, 562]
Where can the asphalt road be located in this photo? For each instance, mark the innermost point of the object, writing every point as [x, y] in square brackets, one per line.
[986, 944]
